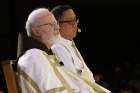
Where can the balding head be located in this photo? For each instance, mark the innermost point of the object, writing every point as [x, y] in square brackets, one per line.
[42, 26]
[34, 19]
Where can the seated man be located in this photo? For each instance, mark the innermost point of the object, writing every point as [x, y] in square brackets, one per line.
[35, 72]
[39, 72]
[65, 47]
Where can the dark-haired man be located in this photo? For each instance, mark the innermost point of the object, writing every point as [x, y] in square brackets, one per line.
[67, 52]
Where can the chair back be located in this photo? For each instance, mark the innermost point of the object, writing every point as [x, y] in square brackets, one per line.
[10, 75]
[9, 67]
[26, 43]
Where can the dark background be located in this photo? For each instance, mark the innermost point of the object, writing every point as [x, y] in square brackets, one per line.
[109, 27]
[109, 39]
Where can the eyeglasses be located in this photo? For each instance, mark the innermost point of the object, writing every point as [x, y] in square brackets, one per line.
[53, 24]
[73, 21]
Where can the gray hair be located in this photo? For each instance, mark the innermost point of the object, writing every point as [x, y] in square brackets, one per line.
[33, 18]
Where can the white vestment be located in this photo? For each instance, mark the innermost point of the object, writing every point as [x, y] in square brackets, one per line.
[42, 73]
[67, 53]
[71, 57]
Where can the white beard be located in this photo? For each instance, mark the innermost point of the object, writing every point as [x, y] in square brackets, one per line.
[52, 40]
[57, 38]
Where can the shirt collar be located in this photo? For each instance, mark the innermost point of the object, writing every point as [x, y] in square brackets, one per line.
[65, 41]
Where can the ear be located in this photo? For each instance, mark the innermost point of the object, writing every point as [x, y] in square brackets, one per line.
[36, 31]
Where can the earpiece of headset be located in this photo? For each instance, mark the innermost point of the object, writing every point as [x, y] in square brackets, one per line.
[79, 30]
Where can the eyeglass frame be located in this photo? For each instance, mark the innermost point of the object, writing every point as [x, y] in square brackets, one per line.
[76, 20]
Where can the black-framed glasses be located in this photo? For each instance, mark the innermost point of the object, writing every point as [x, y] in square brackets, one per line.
[75, 21]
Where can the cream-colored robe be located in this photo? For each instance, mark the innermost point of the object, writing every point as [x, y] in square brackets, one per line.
[42, 73]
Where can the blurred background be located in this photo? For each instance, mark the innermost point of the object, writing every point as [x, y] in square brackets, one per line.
[109, 41]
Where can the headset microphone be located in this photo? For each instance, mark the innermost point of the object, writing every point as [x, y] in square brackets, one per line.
[79, 30]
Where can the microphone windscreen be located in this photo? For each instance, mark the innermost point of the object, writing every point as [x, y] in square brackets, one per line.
[79, 30]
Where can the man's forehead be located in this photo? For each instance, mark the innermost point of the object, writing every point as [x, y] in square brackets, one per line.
[68, 17]
[69, 14]
[43, 15]
[46, 18]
